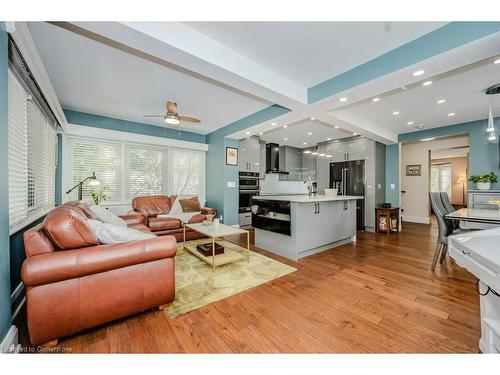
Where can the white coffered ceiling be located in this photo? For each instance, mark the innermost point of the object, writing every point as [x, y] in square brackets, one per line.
[224, 71]
[311, 52]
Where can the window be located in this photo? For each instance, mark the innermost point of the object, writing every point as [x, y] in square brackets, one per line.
[103, 158]
[189, 172]
[441, 178]
[32, 147]
[146, 171]
[128, 170]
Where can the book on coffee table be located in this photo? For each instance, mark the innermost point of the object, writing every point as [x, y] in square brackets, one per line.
[206, 249]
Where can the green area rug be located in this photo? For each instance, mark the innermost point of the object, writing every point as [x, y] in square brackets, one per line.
[196, 285]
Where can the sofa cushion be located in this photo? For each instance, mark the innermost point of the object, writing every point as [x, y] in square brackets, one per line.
[153, 205]
[107, 216]
[110, 233]
[140, 227]
[190, 204]
[81, 206]
[67, 229]
[163, 222]
[198, 218]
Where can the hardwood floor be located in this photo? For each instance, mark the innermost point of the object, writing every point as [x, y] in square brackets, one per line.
[375, 296]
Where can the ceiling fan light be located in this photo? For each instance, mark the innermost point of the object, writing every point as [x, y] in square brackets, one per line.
[172, 119]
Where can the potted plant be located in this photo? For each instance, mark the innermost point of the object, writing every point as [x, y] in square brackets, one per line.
[99, 196]
[484, 182]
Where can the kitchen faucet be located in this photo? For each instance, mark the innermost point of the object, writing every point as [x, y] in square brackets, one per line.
[311, 186]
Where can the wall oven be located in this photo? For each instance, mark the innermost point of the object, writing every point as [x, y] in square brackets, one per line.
[248, 181]
[248, 187]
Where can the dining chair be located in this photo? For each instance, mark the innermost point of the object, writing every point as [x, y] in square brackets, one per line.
[445, 228]
[445, 199]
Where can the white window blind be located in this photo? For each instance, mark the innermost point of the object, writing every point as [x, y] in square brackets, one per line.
[18, 152]
[32, 145]
[188, 172]
[146, 171]
[103, 158]
[128, 170]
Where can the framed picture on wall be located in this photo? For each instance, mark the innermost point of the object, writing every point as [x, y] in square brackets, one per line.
[231, 156]
[414, 170]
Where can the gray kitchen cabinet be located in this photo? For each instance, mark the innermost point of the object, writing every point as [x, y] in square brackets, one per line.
[249, 159]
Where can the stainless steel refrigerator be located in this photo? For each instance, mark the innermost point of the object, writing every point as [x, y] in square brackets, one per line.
[348, 177]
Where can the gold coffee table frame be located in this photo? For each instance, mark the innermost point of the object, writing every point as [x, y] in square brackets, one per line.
[232, 252]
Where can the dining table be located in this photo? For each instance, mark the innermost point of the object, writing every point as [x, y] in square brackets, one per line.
[476, 215]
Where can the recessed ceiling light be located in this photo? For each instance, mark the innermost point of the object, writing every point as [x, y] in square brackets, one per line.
[420, 126]
[328, 156]
[312, 118]
[306, 152]
[427, 139]
[497, 61]
[309, 133]
[328, 139]
[418, 73]
[344, 99]
[321, 155]
[336, 127]
[285, 126]
[247, 133]
[395, 113]
[409, 123]
[427, 83]
[304, 143]
[441, 101]
[451, 114]
[314, 153]
[375, 99]
[261, 133]
[354, 133]
[285, 139]
[273, 123]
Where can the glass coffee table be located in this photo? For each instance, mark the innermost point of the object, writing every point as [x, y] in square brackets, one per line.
[232, 252]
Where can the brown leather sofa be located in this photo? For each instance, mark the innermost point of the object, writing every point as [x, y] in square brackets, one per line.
[153, 205]
[74, 283]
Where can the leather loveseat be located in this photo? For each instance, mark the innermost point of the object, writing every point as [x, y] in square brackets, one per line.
[153, 205]
[74, 283]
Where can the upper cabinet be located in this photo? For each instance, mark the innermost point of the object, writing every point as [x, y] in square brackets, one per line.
[249, 159]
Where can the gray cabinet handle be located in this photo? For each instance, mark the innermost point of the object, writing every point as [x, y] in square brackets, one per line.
[466, 252]
[319, 208]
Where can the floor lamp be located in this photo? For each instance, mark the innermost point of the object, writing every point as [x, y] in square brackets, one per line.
[461, 180]
[93, 182]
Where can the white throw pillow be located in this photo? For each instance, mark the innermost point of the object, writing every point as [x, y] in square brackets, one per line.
[108, 233]
[107, 216]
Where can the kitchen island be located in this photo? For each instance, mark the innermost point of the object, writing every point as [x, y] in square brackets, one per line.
[295, 226]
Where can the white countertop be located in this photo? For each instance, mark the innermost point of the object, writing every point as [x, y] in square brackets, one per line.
[307, 199]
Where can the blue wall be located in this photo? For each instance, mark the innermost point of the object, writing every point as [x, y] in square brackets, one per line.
[218, 173]
[431, 44]
[5, 308]
[102, 122]
[392, 174]
[483, 156]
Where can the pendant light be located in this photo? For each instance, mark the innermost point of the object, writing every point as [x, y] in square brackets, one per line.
[490, 129]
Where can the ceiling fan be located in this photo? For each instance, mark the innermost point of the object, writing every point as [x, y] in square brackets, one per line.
[172, 117]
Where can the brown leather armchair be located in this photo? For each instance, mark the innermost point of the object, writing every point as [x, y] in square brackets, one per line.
[74, 283]
[153, 205]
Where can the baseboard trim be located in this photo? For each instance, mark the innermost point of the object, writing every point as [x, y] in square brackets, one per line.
[416, 219]
[10, 342]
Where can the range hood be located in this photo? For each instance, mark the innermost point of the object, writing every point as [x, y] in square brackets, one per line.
[273, 158]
